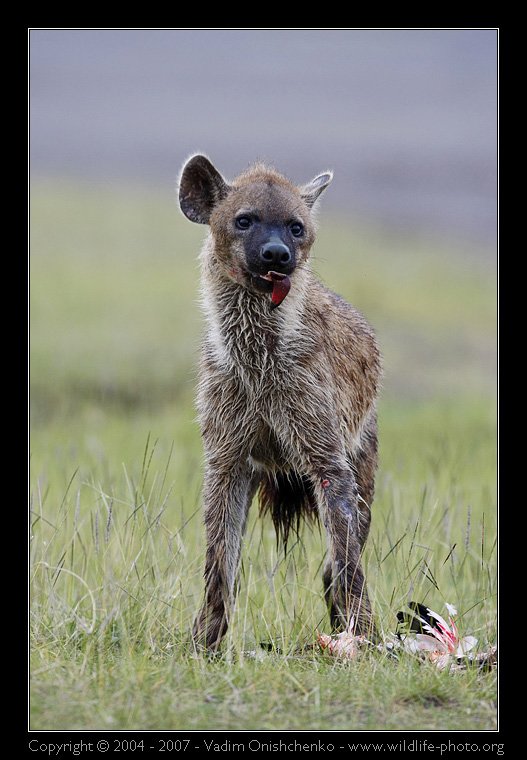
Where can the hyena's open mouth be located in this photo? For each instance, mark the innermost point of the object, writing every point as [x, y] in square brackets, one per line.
[281, 286]
[277, 284]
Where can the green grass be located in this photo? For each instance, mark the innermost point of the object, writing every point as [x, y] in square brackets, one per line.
[116, 536]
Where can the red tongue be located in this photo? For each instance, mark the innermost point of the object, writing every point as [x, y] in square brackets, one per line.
[280, 290]
[281, 287]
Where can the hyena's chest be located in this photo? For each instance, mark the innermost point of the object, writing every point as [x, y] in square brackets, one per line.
[261, 385]
[270, 416]
[264, 412]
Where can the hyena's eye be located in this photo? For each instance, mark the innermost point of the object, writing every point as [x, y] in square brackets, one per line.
[297, 229]
[243, 222]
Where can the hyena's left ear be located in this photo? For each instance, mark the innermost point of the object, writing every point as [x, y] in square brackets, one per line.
[201, 187]
[316, 187]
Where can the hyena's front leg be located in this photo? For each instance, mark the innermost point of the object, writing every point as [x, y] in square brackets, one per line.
[227, 497]
[344, 584]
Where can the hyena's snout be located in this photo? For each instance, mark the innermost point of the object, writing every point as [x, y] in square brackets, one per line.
[269, 248]
[278, 263]
[276, 254]
[271, 260]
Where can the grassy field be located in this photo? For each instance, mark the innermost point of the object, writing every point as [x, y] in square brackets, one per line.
[116, 535]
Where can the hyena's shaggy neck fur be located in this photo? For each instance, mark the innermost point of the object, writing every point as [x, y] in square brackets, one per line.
[243, 329]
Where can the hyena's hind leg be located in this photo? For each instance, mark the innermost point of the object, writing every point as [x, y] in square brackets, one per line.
[343, 580]
[364, 465]
[327, 580]
[344, 584]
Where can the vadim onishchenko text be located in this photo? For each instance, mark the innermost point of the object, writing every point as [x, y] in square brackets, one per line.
[54, 749]
[416, 745]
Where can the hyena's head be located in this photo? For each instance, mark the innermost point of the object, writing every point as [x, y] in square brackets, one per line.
[262, 225]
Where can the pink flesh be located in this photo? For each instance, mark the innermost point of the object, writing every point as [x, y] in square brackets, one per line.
[281, 286]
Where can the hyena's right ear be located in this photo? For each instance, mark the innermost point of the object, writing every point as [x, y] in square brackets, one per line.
[201, 187]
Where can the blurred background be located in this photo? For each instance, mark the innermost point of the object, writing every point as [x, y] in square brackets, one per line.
[406, 118]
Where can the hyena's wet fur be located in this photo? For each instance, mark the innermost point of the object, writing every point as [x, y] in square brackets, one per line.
[286, 395]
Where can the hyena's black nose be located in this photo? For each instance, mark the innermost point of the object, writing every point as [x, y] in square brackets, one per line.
[275, 254]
